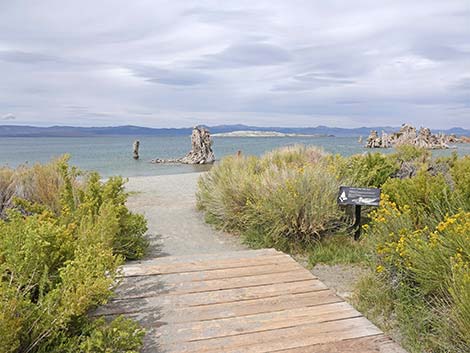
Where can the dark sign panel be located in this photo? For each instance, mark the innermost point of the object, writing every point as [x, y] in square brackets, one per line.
[358, 196]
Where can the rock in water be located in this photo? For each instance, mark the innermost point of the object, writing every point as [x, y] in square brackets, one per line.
[136, 149]
[374, 141]
[408, 135]
[201, 152]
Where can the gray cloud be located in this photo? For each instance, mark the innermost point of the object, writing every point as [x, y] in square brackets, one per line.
[8, 117]
[463, 84]
[160, 63]
[25, 57]
[441, 52]
[250, 54]
[212, 15]
[173, 77]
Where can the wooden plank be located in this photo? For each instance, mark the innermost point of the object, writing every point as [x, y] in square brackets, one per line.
[234, 309]
[240, 302]
[192, 331]
[281, 266]
[238, 254]
[285, 338]
[127, 284]
[149, 288]
[371, 344]
[118, 306]
[196, 266]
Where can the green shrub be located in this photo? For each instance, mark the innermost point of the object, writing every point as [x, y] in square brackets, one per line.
[374, 297]
[419, 239]
[294, 204]
[337, 249]
[367, 170]
[127, 234]
[33, 249]
[429, 197]
[121, 335]
[14, 309]
[223, 192]
[460, 172]
[60, 249]
[285, 198]
[411, 153]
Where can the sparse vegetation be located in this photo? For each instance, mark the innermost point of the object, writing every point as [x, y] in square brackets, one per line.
[62, 236]
[337, 249]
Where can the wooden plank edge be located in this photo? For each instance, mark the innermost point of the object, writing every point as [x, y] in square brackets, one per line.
[188, 267]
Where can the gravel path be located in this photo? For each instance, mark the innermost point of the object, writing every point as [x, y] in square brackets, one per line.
[175, 226]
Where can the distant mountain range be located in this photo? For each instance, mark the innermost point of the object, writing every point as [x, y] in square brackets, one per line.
[130, 130]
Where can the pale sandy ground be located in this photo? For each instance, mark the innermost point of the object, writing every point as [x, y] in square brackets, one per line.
[175, 226]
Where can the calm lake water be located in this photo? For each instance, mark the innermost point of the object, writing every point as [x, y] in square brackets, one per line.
[112, 155]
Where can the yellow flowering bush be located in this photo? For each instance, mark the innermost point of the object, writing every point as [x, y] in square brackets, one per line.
[426, 268]
[386, 234]
[441, 269]
[420, 237]
[436, 252]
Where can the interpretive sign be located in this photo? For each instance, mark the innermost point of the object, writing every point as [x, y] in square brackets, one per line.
[358, 196]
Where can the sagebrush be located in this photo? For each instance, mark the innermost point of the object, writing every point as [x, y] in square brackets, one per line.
[286, 197]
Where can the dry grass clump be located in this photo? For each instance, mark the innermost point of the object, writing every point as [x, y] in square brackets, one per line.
[298, 155]
[284, 198]
[39, 184]
[7, 187]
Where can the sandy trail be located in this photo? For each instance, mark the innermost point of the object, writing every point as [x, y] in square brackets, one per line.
[175, 226]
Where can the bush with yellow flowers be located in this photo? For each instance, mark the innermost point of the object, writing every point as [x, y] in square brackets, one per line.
[425, 268]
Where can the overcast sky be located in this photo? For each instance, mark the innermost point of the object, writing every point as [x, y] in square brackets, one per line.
[272, 63]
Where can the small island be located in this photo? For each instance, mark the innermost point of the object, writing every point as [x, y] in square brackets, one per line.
[245, 133]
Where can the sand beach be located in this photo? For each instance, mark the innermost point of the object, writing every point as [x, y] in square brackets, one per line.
[175, 226]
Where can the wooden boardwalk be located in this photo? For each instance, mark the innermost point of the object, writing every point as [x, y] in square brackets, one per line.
[243, 301]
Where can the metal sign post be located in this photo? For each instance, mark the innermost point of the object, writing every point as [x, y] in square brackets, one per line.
[358, 197]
